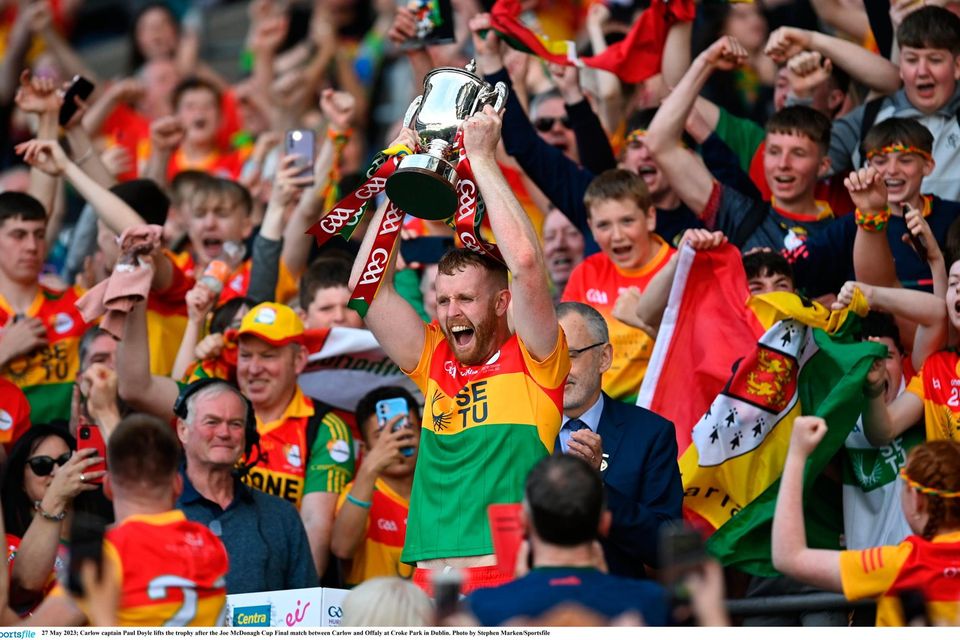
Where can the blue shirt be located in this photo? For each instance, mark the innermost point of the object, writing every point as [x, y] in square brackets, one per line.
[546, 587]
[265, 540]
[590, 417]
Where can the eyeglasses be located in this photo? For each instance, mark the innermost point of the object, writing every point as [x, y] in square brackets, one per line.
[545, 124]
[576, 352]
[43, 465]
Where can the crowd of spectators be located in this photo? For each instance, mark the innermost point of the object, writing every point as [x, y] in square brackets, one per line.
[161, 286]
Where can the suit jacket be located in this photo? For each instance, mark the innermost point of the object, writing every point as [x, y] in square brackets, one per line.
[642, 480]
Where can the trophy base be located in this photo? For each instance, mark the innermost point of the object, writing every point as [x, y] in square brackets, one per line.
[425, 187]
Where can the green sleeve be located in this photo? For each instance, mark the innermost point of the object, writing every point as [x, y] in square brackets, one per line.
[407, 284]
[331, 462]
[743, 136]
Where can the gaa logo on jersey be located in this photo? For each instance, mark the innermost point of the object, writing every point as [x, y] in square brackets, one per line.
[596, 296]
[293, 456]
[339, 451]
[62, 322]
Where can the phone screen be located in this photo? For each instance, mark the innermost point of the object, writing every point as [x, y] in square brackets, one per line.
[390, 408]
[302, 143]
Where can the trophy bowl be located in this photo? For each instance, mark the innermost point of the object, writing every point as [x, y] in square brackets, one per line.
[425, 184]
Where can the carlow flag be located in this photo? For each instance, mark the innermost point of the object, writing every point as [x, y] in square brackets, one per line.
[633, 59]
[805, 362]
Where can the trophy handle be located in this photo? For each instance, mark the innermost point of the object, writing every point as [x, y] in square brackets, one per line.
[412, 111]
[499, 92]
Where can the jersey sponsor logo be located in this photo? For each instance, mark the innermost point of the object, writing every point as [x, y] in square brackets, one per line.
[339, 450]
[472, 400]
[387, 525]
[266, 315]
[596, 296]
[258, 616]
[6, 421]
[62, 322]
[293, 455]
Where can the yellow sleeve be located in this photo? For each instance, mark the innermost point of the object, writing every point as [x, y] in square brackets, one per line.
[343, 497]
[916, 385]
[869, 573]
[287, 284]
[421, 375]
[551, 372]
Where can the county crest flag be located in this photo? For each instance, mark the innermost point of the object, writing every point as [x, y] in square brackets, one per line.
[693, 354]
[807, 363]
[633, 59]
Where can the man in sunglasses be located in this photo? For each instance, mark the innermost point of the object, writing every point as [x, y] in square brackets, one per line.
[548, 112]
[634, 449]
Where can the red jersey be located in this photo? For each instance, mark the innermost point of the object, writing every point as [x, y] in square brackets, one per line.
[931, 567]
[14, 414]
[172, 571]
[598, 282]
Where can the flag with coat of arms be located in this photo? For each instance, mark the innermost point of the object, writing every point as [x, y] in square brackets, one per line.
[806, 360]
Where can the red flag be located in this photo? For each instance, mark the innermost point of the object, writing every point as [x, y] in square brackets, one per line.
[633, 59]
[706, 327]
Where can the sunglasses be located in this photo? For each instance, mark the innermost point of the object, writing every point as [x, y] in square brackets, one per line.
[545, 124]
[43, 465]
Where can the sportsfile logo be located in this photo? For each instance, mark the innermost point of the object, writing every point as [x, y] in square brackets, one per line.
[252, 616]
[19, 634]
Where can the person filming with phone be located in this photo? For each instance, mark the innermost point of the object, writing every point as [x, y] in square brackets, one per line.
[371, 520]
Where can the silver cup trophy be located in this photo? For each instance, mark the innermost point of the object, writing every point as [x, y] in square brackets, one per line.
[425, 184]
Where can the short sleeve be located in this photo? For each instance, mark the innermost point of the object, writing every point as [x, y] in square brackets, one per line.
[869, 573]
[738, 216]
[552, 370]
[916, 385]
[343, 497]
[421, 374]
[331, 463]
[287, 284]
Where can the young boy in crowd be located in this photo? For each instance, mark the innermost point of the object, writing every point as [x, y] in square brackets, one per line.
[324, 294]
[41, 328]
[189, 138]
[929, 41]
[899, 157]
[371, 520]
[622, 218]
[795, 156]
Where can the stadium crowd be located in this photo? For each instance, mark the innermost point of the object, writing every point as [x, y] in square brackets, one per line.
[704, 268]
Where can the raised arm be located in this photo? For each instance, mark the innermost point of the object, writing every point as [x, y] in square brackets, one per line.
[534, 318]
[50, 158]
[137, 387]
[394, 322]
[692, 182]
[876, 72]
[790, 553]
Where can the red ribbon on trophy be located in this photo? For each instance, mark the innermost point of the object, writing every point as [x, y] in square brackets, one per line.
[351, 209]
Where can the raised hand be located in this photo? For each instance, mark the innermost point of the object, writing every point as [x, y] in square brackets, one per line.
[46, 155]
[867, 190]
[806, 71]
[167, 133]
[725, 54]
[338, 108]
[807, 433]
[481, 133]
[786, 42]
[845, 297]
[38, 95]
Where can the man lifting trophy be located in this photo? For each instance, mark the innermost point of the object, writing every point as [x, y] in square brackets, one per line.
[433, 181]
[494, 398]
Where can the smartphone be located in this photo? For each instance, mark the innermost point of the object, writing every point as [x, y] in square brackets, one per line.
[86, 544]
[390, 408]
[89, 436]
[79, 87]
[425, 249]
[302, 143]
[682, 551]
[918, 243]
